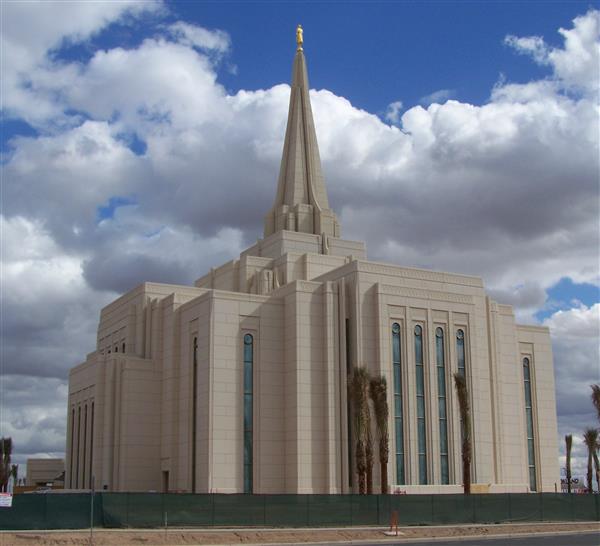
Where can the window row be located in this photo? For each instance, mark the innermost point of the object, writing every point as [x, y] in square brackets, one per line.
[81, 446]
[114, 348]
[248, 401]
[442, 379]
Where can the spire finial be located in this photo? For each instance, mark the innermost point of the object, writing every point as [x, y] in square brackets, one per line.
[299, 38]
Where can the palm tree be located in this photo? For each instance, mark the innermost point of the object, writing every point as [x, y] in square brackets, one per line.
[597, 464]
[596, 398]
[5, 469]
[465, 417]
[358, 395]
[590, 438]
[569, 442]
[378, 393]
[370, 459]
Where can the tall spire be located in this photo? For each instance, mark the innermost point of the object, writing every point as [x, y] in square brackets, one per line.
[301, 203]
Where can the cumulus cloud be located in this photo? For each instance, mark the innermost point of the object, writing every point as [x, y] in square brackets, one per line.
[507, 190]
[577, 64]
[32, 81]
[576, 346]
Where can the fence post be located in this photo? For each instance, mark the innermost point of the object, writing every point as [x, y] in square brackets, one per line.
[541, 506]
[510, 518]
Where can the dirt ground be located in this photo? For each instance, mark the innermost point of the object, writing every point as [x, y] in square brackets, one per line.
[136, 537]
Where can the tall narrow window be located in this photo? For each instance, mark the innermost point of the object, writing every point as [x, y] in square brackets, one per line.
[91, 446]
[460, 351]
[85, 423]
[398, 412]
[248, 410]
[349, 402]
[529, 418]
[442, 406]
[72, 461]
[421, 430]
[194, 408]
[78, 447]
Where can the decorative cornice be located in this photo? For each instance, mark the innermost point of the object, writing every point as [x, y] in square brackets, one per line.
[420, 274]
[418, 293]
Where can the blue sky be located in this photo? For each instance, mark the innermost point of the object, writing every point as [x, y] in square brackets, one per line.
[141, 141]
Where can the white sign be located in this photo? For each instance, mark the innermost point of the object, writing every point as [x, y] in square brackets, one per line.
[6, 500]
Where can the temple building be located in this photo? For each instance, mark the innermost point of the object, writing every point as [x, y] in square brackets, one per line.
[238, 384]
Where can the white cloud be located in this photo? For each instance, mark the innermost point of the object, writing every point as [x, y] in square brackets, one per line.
[439, 96]
[392, 113]
[530, 45]
[204, 39]
[576, 347]
[576, 323]
[31, 80]
[577, 64]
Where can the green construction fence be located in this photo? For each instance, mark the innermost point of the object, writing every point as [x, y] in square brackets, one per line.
[152, 510]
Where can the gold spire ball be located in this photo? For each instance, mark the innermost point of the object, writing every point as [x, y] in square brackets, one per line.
[299, 38]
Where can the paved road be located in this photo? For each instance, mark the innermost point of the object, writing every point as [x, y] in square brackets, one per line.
[579, 539]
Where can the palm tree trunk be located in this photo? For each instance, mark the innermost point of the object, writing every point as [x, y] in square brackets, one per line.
[378, 394]
[590, 438]
[370, 463]
[385, 488]
[360, 412]
[589, 473]
[368, 447]
[569, 442]
[465, 416]
[361, 467]
[596, 466]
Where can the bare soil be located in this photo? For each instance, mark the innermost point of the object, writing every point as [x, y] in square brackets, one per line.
[136, 537]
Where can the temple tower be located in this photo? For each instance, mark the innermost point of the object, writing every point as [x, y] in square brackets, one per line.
[301, 202]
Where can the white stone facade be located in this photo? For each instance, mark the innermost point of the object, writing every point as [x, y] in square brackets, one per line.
[159, 405]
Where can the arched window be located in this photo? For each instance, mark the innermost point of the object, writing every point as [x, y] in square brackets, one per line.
[442, 405]
[194, 408]
[78, 447]
[529, 422]
[398, 410]
[248, 410]
[91, 446]
[72, 480]
[84, 461]
[460, 351]
[421, 430]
